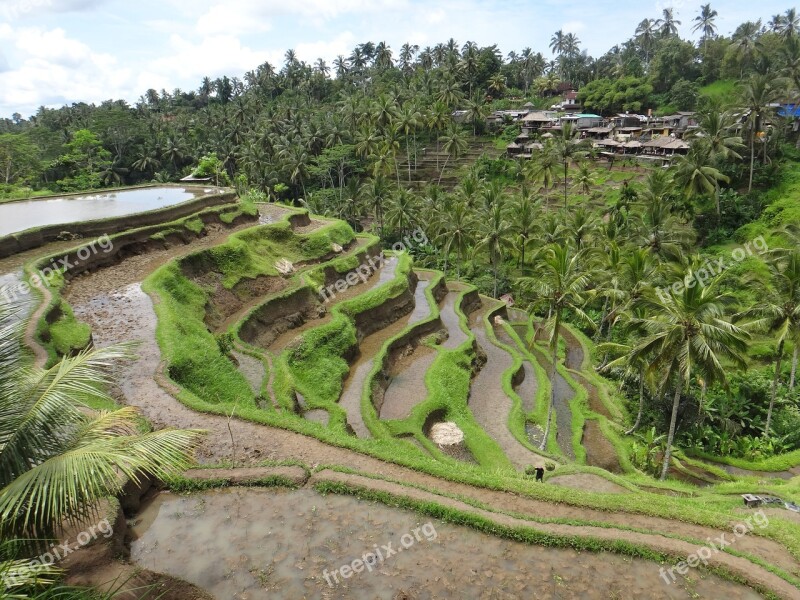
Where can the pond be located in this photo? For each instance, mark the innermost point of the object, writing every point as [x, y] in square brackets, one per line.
[27, 214]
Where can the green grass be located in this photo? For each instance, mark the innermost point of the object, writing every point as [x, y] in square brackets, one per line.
[194, 358]
[722, 90]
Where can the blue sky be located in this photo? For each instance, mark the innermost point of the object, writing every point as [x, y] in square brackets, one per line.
[54, 52]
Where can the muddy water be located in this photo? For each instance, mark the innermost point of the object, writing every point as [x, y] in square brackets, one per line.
[529, 386]
[382, 275]
[450, 319]
[369, 347]
[407, 387]
[16, 296]
[243, 544]
[489, 403]
[19, 216]
[563, 394]
[252, 369]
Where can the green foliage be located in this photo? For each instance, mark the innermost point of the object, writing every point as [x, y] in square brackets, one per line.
[616, 95]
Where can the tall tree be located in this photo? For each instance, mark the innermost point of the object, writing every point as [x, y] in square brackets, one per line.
[687, 336]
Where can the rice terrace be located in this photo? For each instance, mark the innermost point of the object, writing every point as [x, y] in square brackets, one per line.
[429, 322]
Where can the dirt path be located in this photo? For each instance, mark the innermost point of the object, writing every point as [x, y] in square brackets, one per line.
[489, 403]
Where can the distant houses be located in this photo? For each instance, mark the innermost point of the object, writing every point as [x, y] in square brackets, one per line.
[654, 139]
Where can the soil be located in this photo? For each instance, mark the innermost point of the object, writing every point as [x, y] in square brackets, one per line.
[451, 321]
[252, 369]
[488, 402]
[529, 386]
[367, 350]
[134, 318]
[407, 385]
[588, 482]
[253, 543]
[562, 397]
[599, 451]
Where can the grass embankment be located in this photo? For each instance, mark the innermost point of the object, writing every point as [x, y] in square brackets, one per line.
[58, 331]
[194, 357]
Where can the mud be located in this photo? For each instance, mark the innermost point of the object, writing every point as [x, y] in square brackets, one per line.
[252, 543]
[563, 394]
[407, 386]
[310, 310]
[449, 315]
[599, 451]
[136, 263]
[252, 369]
[488, 402]
[526, 384]
[371, 344]
[588, 482]
[132, 318]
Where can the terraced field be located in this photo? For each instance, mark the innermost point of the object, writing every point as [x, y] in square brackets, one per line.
[292, 340]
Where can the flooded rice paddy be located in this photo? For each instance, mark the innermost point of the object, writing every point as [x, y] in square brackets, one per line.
[243, 544]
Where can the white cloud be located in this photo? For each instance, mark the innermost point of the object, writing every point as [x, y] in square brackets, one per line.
[573, 26]
[213, 56]
[49, 68]
[342, 44]
[223, 19]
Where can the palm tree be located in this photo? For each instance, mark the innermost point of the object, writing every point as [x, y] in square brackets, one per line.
[584, 180]
[525, 210]
[403, 210]
[567, 149]
[494, 233]
[457, 233]
[557, 42]
[756, 95]
[696, 174]
[57, 457]
[560, 282]
[374, 192]
[543, 167]
[687, 335]
[746, 42]
[477, 110]
[790, 24]
[704, 22]
[718, 129]
[497, 84]
[780, 315]
[645, 36]
[454, 145]
[668, 24]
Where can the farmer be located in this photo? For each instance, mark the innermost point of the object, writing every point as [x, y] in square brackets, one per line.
[540, 474]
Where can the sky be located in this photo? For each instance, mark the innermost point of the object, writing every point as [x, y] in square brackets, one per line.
[56, 52]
